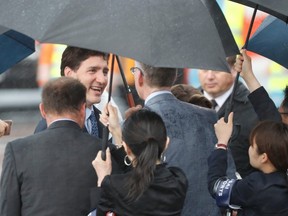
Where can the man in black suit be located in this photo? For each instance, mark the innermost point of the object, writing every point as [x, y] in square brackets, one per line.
[218, 86]
[91, 69]
[50, 173]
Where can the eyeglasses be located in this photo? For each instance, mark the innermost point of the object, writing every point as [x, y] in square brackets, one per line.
[134, 69]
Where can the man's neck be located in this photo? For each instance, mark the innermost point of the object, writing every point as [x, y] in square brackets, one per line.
[149, 91]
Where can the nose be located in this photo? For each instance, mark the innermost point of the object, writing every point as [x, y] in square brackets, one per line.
[210, 74]
[101, 77]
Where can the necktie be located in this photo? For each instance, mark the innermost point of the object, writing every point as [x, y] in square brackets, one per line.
[214, 104]
[94, 125]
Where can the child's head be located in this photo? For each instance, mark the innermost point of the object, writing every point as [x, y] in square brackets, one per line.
[270, 138]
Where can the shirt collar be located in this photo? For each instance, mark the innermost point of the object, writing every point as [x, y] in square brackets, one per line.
[220, 100]
[154, 94]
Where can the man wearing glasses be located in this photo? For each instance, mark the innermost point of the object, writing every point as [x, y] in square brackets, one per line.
[190, 129]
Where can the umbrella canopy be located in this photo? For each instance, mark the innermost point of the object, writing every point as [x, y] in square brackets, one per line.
[271, 40]
[277, 8]
[163, 33]
[14, 47]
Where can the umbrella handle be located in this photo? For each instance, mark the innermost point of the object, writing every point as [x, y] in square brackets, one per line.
[129, 95]
[229, 106]
[104, 142]
[130, 99]
[105, 132]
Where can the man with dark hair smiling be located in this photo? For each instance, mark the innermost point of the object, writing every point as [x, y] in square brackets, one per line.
[91, 69]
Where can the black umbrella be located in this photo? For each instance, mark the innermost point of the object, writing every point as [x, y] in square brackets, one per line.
[14, 47]
[166, 33]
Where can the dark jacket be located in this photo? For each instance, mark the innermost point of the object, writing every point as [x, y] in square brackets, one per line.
[164, 196]
[50, 173]
[258, 194]
[264, 105]
[245, 119]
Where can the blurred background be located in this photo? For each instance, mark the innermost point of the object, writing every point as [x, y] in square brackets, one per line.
[20, 86]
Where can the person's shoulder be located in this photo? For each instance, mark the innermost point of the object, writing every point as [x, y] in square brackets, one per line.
[179, 174]
[23, 142]
[176, 171]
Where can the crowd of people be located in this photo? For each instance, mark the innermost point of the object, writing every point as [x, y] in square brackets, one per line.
[175, 155]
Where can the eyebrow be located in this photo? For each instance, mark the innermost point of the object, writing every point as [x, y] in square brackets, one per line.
[97, 68]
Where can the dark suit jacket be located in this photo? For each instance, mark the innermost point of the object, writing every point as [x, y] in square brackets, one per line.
[258, 194]
[165, 195]
[49, 173]
[264, 105]
[245, 119]
[42, 125]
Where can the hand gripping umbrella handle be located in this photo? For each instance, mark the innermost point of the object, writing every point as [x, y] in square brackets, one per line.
[105, 132]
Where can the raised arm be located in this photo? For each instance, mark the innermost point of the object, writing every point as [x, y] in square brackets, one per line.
[263, 105]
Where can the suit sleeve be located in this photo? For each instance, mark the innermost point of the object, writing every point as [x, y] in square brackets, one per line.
[10, 198]
[263, 105]
[102, 197]
[217, 166]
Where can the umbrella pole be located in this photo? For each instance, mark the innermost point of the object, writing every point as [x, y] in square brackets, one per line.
[250, 27]
[129, 95]
[230, 103]
[105, 129]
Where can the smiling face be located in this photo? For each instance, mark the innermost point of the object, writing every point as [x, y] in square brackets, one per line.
[93, 73]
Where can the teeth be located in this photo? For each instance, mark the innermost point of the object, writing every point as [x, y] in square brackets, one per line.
[96, 89]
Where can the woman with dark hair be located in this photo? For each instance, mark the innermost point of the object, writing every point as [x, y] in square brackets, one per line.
[189, 94]
[150, 188]
[263, 192]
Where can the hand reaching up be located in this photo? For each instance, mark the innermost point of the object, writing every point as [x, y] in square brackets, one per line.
[224, 130]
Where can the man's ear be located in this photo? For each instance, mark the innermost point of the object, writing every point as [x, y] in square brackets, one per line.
[68, 72]
[42, 111]
[167, 143]
[140, 79]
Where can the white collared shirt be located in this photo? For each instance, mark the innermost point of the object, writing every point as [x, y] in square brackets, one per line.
[221, 99]
[155, 94]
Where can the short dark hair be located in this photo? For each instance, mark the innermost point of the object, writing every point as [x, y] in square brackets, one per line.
[272, 138]
[231, 60]
[158, 76]
[63, 95]
[145, 134]
[73, 56]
